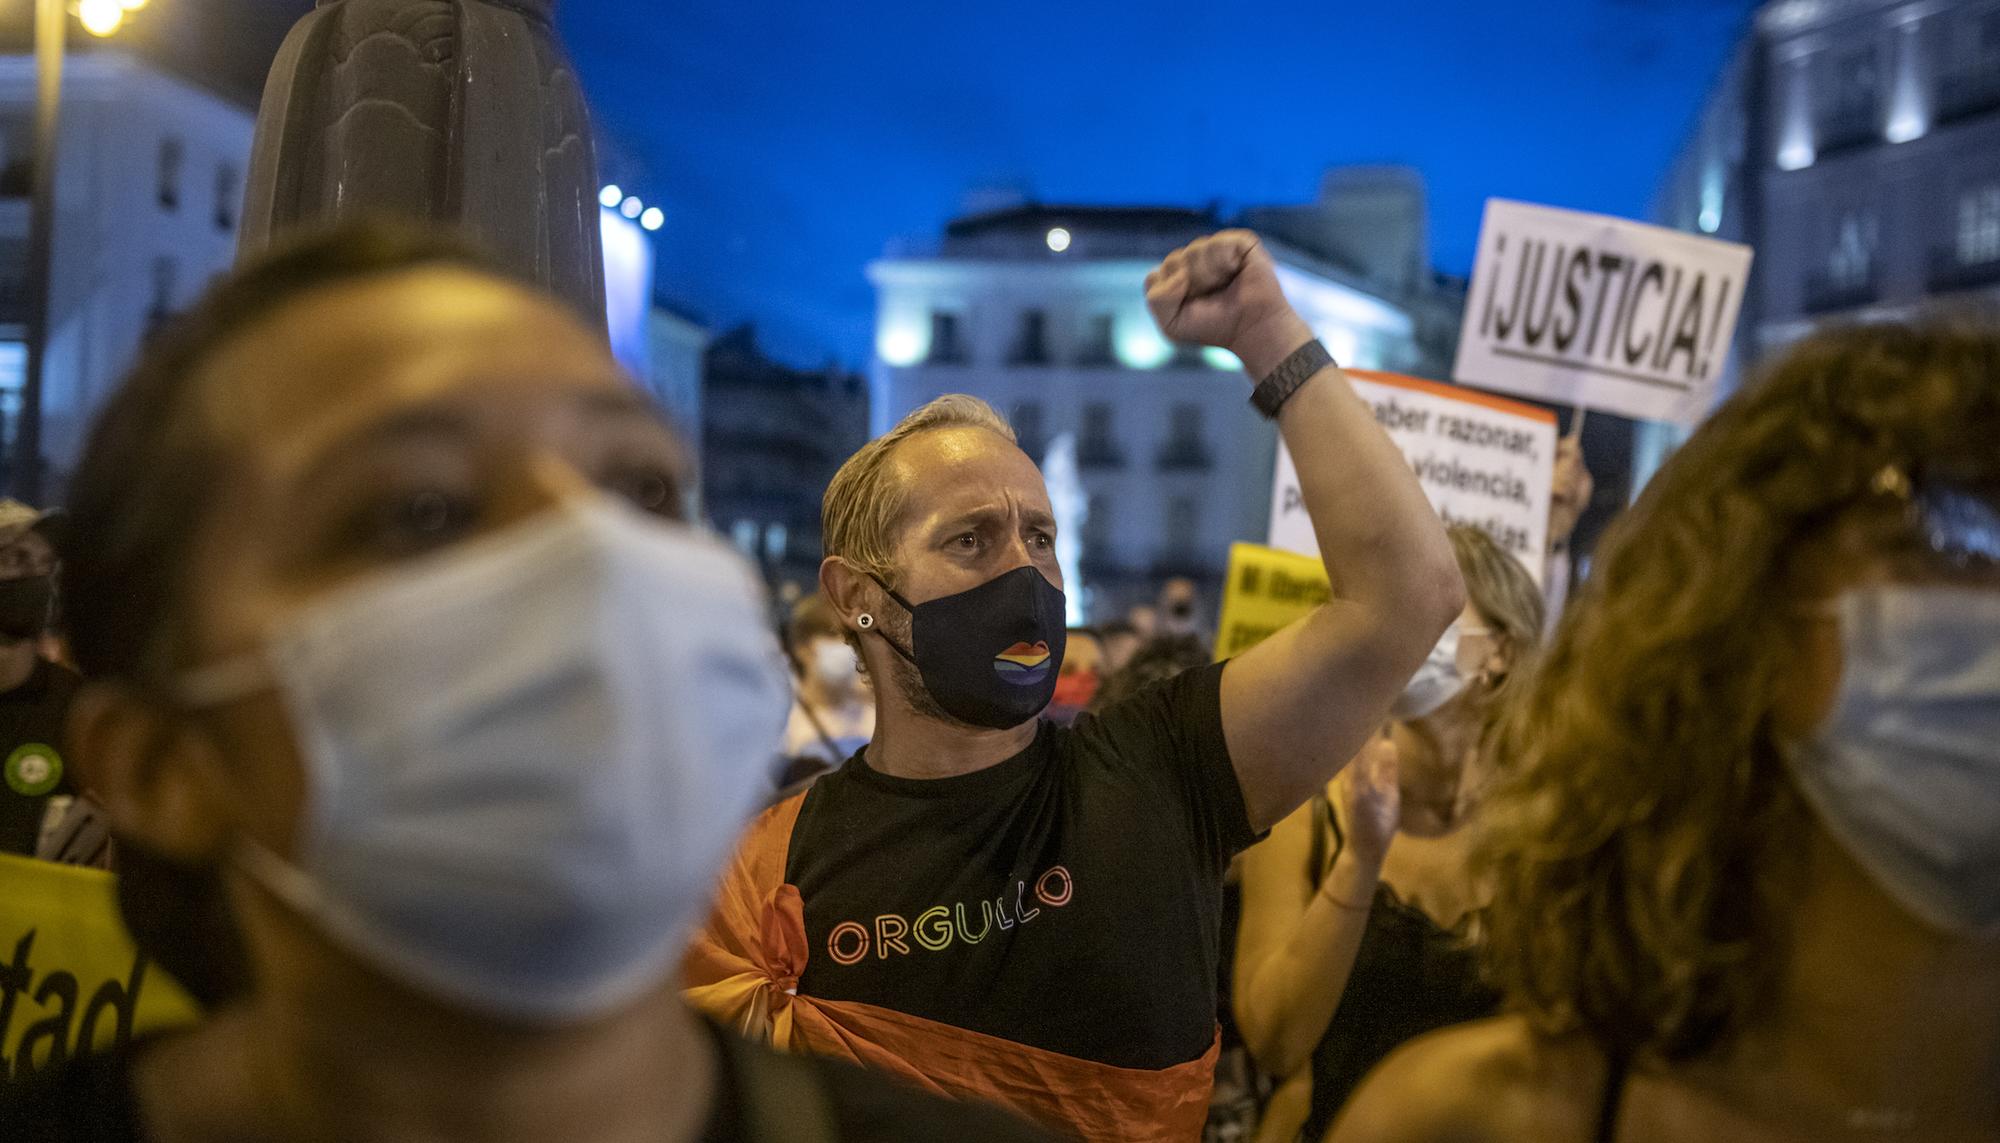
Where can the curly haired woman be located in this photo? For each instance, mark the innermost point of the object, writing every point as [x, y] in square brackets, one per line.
[1746, 864]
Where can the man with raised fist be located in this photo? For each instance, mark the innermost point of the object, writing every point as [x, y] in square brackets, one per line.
[1001, 908]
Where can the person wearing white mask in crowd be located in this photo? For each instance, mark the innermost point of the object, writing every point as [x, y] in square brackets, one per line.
[1360, 921]
[396, 641]
[1745, 848]
[833, 709]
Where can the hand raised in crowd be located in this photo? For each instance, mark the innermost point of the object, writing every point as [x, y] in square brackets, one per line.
[1570, 493]
[1223, 291]
[1368, 801]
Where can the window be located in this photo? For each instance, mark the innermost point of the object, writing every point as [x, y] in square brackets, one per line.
[17, 156]
[1184, 448]
[1857, 82]
[1096, 448]
[947, 346]
[1096, 347]
[171, 155]
[1850, 116]
[1031, 347]
[1850, 263]
[228, 194]
[1979, 225]
[744, 532]
[1183, 526]
[1097, 532]
[1027, 422]
[165, 282]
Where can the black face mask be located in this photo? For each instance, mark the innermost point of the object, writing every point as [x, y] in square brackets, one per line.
[25, 606]
[990, 656]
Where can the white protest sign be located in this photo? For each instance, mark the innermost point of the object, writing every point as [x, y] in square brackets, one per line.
[1588, 310]
[1484, 461]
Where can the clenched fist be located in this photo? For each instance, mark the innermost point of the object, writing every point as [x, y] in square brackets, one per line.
[1223, 290]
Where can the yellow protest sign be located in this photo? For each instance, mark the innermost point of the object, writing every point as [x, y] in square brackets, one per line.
[71, 980]
[1267, 589]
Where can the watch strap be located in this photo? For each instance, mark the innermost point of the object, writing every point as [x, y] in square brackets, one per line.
[1294, 371]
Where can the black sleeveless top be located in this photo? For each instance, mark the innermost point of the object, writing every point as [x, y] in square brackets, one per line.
[1410, 977]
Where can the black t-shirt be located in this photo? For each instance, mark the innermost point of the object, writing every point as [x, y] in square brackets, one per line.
[1067, 899]
[90, 1100]
[34, 751]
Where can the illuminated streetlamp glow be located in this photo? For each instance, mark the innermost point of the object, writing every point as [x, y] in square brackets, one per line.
[133, 5]
[900, 345]
[1219, 358]
[100, 17]
[632, 208]
[653, 219]
[610, 197]
[1058, 239]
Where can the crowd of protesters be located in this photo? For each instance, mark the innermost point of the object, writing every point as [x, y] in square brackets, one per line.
[471, 790]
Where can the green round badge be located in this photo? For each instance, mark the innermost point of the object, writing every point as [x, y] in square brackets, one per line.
[34, 769]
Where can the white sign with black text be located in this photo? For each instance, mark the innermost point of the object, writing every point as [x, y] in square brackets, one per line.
[1483, 460]
[1600, 312]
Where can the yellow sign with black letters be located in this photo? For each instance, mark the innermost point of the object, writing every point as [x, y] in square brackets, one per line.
[71, 981]
[1268, 589]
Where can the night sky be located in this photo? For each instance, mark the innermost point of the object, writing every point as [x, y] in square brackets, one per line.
[789, 142]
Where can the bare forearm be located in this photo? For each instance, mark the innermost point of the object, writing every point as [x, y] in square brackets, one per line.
[1286, 1003]
[1382, 543]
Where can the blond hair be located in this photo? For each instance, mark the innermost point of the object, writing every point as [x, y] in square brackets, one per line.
[865, 500]
[1500, 589]
[1643, 841]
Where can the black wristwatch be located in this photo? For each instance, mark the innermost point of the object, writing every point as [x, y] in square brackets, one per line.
[1273, 391]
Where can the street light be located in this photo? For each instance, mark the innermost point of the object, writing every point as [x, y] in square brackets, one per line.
[99, 18]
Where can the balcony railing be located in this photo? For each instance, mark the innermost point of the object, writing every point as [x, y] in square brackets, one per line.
[1184, 562]
[1949, 273]
[1099, 453]
[1029, 351]
[1966, 93]
[948, 353]
[1184, 456]
[1826, 293]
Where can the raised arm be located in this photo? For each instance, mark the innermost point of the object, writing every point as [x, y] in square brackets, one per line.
[1297, 706]
[1297, 944]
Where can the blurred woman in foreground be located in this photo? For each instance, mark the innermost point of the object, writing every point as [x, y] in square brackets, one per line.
[402, 657]
[1359, 920]
[1746, 860]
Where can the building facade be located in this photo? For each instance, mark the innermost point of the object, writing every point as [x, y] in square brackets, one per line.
[1040, 310]
[678, 344]
[1856, 145]
[149, 192]
[772, 438]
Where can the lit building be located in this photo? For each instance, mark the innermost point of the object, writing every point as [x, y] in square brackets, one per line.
[673, 371]
[149, 188]
[1856, 145]
[772, 438]
[1040, 310]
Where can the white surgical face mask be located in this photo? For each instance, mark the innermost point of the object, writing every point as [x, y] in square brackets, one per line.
[834, 665]
[1906, 771]
[527, 756]
[1436, 683]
